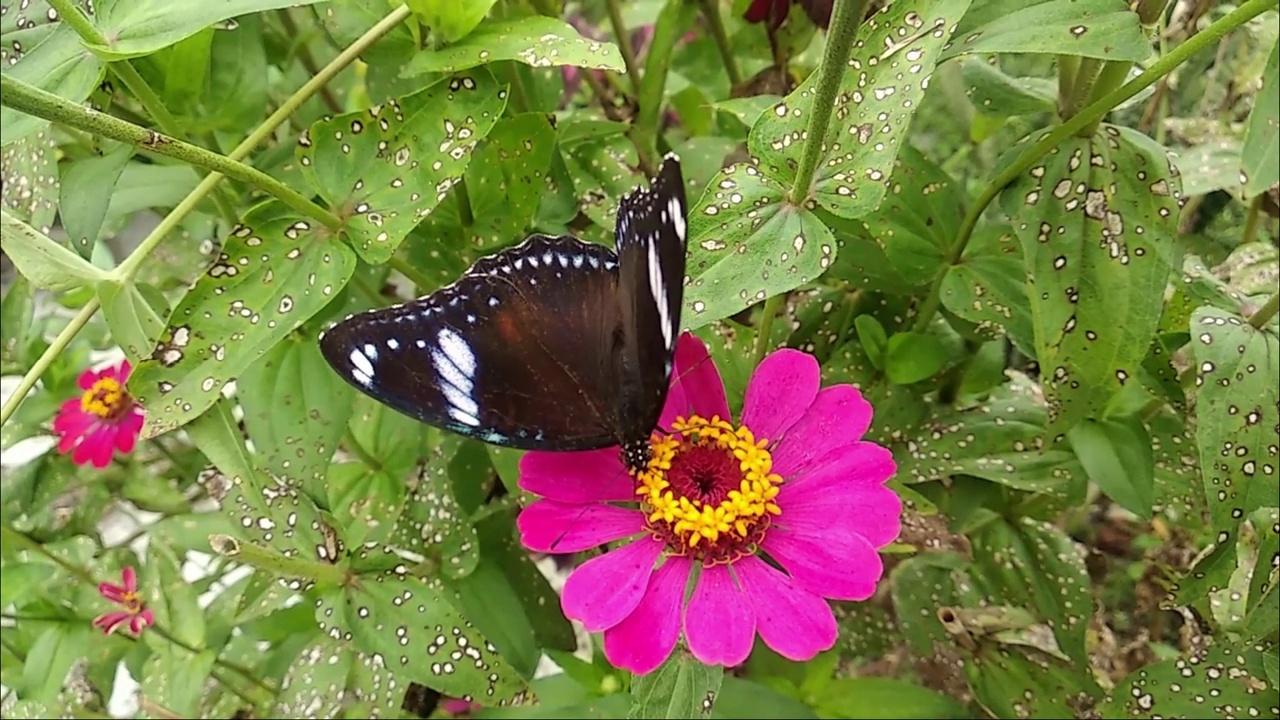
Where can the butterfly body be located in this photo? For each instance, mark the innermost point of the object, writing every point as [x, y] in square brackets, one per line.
[553, 344]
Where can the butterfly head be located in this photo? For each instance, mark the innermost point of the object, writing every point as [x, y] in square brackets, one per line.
[636, 455]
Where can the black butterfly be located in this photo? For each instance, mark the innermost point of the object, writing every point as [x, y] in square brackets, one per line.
[554, 344]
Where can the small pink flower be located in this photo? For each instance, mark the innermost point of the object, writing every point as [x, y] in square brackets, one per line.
[102, 420]
[455, 706]
[134, 612]
[792, 483]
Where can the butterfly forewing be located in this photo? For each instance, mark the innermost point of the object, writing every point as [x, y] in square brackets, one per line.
[514, 353]
[651, 240]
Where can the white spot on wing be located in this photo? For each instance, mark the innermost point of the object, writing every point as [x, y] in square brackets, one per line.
[677, 216]
[362, 368]
[657, 288]
[455, 363]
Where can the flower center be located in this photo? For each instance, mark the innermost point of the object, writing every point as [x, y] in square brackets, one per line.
[106, 399]
[132, 603]
[709, 489]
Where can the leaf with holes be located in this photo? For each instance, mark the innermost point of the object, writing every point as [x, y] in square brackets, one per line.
[748, 243]
[432, 523]
[987, 286]
[1237, 412]
[56, 62]
[996, 94]
[602, 169]
[1002, 440]
[921, 585]
[365, 501]
[1012, 677]
[888, 73]
[329, 679]
[140, 27]
[901, 246]
[29, 179]
[681, 688]
[1260, 157]
[295, 410]
[391, 438]
[534, 40]
[1225, 682]
[1210, 165]
[1103, 29]
[44, 262]
[132, 317]
[384, 169]
[411, 628]
[273, 274]
[1177, 476]
[1092, 218]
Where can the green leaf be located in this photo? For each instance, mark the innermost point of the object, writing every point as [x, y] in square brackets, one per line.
[920, 585]
[1260, 157]
[995, 94]
[1209, 166]
[365, 502]
[888, 72]
[1117, 455]
[884, 698]
[50, 659]
[681, 688]
[172, 597]
[383, 170]
[44, 262]
[140, 27]
[17, 311]
[911, 357]
[134, 323]
[86, 189]
[1012, 679]
[450, 21]
[295, 410]
[273, 274]
[987, 286]
[329, 679]
[1225, 681]
[748, 243]
[535, 40]
[419, 635]
[742, 699]
[433, 524]
[1092, 241]
[58, 63]
[1103, 29]
[175, 678]
[23, 582]
[1002, 440]
[1237, 413]
[390, 437]
[29, 188]
[873, 338]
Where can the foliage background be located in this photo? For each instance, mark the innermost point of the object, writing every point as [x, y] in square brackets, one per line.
[1067, 327]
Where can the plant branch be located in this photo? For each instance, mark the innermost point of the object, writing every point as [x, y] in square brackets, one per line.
[673, 21]
[711, 10]
[1158, 69]
[1264, 314]
[624, 45]
[307, 59]
[845, 19]
[34, 101]
[127, 269]
[765, 329]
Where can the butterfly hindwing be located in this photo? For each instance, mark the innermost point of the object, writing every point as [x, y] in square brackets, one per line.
[514, 353]
[651, 241]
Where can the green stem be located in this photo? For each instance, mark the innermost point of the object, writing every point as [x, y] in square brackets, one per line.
[355, 448]
[1067, 67]
[770, 311]
[1251, 221]
[1264, 314]
[131, 264]
[34, 101]
[1112, 76]
[324, 574]
[845, 19]
[673, 21]
[420, 282]
[711, 10]
[307, 59]
[1081, 85]
[1241, 15]
[624, 45]
[46, 359]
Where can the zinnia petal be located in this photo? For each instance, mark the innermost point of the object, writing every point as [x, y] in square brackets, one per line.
[695, 372]
[555, 527]
[838, 416]
[847, 490]
[127, 432]
[838, 563]
[111, 592]
[645, 639]
[780, 392]
[97, 447]
[719, 624]
[87, 379]
[577, 477]
[793, 621]
[130, 579]
[109, 622]
[604, 590]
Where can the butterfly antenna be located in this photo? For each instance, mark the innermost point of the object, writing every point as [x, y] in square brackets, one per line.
[566, 530]
[681, 377]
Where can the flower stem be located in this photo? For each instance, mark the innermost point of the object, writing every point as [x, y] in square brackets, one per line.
[271, 561]
[1158, 69]
[1264, 314]
[673, 21]
[711, 10]
[1251, 221]
[624, 45]
[770, 311]
[34, 101]
[127, 269]
[845, 19]
[420, 282]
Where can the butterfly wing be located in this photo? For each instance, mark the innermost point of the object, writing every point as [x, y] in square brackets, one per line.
[513, 353]
[651, 240]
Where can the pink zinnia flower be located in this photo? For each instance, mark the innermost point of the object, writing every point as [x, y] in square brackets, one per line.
[134, 612]
[456, 706]
[792, 483]
[102, 420]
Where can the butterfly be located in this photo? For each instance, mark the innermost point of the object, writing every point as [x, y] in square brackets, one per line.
[554, 344]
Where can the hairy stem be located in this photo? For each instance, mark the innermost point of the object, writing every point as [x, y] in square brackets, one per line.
[845, 19]
[129, 268]
[711, 10]
[1251, 220]
[1070, 127]
[673, 22]
[624, 45]
[34, 101]
[1264, 314]
[765, 329]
